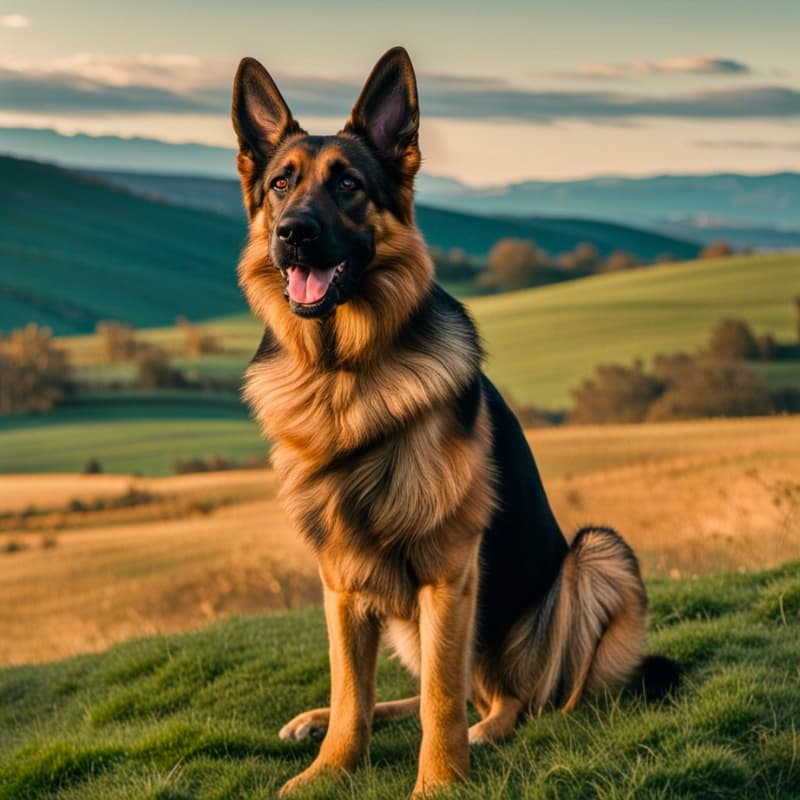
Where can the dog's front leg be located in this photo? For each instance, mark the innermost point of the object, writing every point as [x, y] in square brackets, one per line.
[353, 636]
[446, 621]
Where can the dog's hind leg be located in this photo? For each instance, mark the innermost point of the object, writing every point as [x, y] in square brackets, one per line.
[499, 722]
[314, 723]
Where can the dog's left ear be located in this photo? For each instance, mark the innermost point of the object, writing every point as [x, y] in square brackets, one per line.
[386, 113]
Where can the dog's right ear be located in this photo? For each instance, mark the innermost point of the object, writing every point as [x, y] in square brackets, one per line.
[261, 118]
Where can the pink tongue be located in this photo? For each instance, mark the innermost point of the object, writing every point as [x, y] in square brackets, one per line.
[308, 286]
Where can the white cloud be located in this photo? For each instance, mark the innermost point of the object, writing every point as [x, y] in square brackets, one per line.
[16, 21]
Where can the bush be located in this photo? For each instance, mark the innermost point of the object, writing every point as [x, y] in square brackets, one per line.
[92, 467]
[619, 261]
[154, 371]
[733, 339]
[516, 264]
[583, 260]
[708, 388]
[615, 394]
[198, 340]
[35, 375]
[680, 386]
[117, 341]
[719, 249]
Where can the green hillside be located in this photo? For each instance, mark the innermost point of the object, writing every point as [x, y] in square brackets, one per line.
[543, 342]
[127, 433]
[74, 251]
[197, 715]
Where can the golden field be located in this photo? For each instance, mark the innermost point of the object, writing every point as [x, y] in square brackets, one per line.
[82, 565]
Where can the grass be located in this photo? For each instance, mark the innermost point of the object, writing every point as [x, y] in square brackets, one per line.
[543, 342]
[691, 498]
[106, 254]
[197, 715]
[130, 433]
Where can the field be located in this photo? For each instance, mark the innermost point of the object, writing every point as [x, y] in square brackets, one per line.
[129, 433]
[88, 560]
[197, 715]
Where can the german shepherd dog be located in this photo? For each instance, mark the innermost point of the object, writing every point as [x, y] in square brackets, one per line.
[398, 459]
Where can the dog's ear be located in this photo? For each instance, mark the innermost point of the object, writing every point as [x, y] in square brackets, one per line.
[386, 113]
[261, 118]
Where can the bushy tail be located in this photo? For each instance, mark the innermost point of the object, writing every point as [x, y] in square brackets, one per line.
[589, 632]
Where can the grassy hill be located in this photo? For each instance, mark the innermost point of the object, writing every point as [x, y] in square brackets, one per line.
[197, 715]
[74, 251]
[543, 342]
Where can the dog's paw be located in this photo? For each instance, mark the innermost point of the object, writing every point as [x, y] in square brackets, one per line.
[308, 725]
[479, 734]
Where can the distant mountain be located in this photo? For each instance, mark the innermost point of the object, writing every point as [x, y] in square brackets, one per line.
[74, 251]
[115, 153]
[760, 211]
[442, 228]
[766, 201]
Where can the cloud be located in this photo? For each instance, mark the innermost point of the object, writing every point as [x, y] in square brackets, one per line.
[686, 65]
[16, 21]
[749, 144]
[91, 83]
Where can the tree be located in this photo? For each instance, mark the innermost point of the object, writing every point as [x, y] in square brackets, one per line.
[615, 393]
[583, 260]
[517, 263]
[117, 341]
[733, 339]
[198, 340]
[707, 388]
[720, 249]
[154, 370]
[620, 260]
[35, 375]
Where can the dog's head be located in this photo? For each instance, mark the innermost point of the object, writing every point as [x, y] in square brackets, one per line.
[324, 208]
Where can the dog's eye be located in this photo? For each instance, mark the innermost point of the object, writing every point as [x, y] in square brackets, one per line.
[348, 184]
[280, 184]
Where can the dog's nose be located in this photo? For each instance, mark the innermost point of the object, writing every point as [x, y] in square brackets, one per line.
[297, 229]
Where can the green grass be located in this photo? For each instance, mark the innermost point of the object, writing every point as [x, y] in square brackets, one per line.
[74, 251]
[197, 715]
[128, 433]
[543, 342]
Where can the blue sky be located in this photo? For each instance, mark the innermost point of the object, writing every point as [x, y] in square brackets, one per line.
[515, 91]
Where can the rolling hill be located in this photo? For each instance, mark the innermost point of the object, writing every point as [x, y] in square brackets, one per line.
[74, 251]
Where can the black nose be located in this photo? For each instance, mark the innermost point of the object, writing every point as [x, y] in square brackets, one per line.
[296, 229]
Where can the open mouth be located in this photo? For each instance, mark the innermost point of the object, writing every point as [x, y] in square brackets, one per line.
[309, 286]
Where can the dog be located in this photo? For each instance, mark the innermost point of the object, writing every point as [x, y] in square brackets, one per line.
[398, 459]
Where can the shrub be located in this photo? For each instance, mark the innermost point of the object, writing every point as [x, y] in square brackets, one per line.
[619, 261]
[199, 341]
[720, 249]
[92, 467]
[117, 341]
[516, 264]
[732, 338]
[154, 371]
[708, 388]
[615, 394]
[35, 375]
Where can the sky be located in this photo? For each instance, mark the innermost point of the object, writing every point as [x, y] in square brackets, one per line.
[508, 92]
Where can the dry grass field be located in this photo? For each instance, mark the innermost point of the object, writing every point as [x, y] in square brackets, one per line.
[89, 560]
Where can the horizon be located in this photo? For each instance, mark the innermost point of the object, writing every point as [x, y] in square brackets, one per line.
[511, 94]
